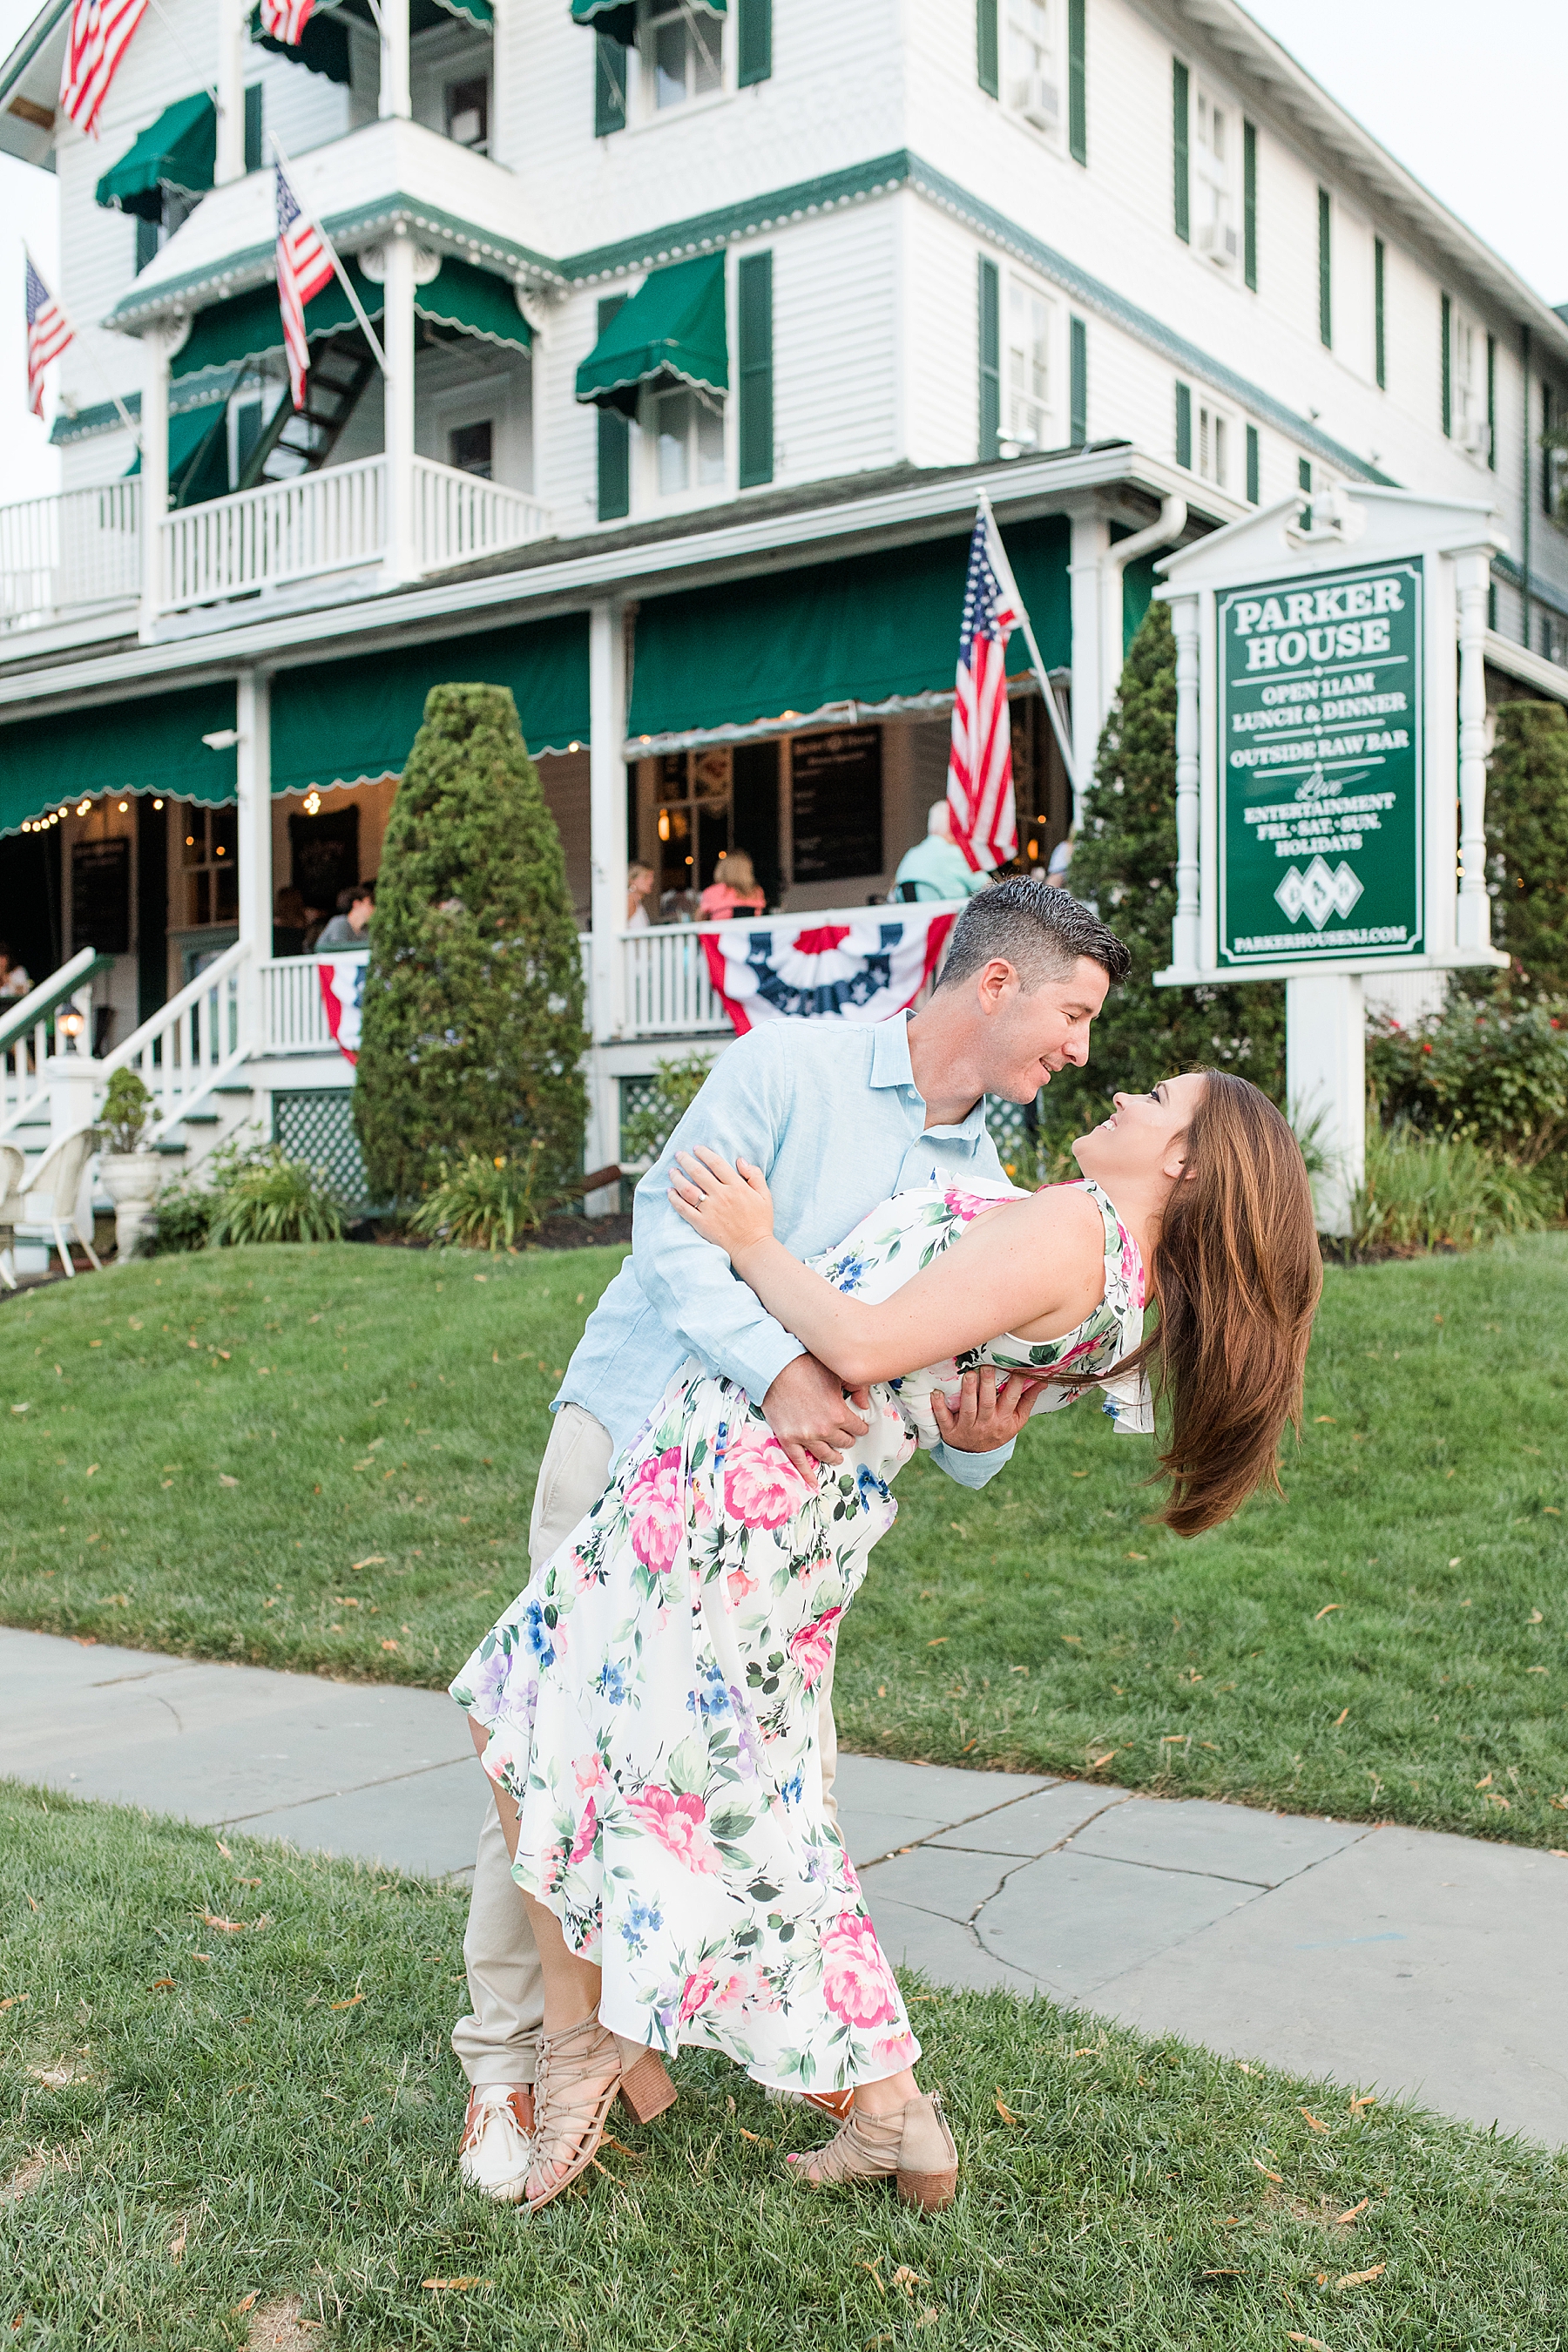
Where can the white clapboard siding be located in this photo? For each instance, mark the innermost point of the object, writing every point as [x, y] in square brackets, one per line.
[835, 395]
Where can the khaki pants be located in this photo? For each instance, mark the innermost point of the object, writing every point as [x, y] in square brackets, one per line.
[497, 2042]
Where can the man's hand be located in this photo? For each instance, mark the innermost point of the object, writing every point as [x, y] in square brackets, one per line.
[810, 1415]
[990, 1409]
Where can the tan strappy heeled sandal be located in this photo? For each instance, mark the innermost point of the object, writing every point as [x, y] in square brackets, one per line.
[912, 2145]
[581, 2071]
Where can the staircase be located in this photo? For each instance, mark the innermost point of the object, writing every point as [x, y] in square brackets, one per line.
[300, 441]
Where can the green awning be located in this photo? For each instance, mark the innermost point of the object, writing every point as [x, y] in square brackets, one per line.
[323, 45]
[247, 326]
[619, 17]
[670, 333]
[198, 440]
[178, 151]
[150, 744]
[349, 721]
[869, 629]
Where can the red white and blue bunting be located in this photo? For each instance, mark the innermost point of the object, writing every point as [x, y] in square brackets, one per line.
[342, 995]
[787, 968]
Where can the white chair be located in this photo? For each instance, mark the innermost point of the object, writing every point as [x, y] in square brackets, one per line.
[13, 1167]
[51, 1198]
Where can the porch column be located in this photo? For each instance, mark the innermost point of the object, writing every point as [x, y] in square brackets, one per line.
[1090, 694]
[395, 96]
[398, 338]
[253, 766]
[155, 348]
[229, 164]
[1325, 1082]
[1473, 927]
[1186, 944]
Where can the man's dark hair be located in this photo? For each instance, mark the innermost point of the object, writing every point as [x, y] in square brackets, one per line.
[359, 890]
[1041, 931]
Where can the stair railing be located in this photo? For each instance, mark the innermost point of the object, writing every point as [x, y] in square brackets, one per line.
[33, 1038]
[193, 1044]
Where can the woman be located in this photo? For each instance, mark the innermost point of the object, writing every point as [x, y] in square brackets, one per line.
[640, 880]
[733, 889]
[646, 1710]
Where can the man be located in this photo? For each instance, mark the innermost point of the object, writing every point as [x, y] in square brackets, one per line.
[936, 867]
[839, 1117]
[350, 926]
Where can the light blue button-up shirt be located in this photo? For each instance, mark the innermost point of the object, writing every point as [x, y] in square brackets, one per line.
[829, 1111]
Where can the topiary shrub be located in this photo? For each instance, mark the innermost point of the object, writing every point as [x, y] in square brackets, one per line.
[472, 1034]
[1124, 863]
[1527, 842]
[128, 1112]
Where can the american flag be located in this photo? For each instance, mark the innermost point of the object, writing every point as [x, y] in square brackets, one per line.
[304, 266]
[980, 764]
[48, 333]
[286, 20]
[95, 43]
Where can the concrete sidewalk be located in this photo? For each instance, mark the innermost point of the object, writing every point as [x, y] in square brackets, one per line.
[1394, 1959]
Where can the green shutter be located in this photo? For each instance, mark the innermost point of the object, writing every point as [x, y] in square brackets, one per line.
[615, 438]
[253, 126]
[1078, 84]
[1077, 371]
[1252, 465]
[1325, 271]
[1546, 466]
[1379, 331]
[1304, 474]
[754, 303]
[1181, 190]
[754, 42]
[1185, 425]
[1249, 203]
[146, 242]
[1446, 321]
[987, 56]
[990, 358]
[609, 85]
[1491, 403]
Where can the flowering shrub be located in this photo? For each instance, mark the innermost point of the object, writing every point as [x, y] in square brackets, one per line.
[1494, 1072]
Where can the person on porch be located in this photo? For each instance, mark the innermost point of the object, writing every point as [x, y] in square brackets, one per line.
[350, 926]
[1035, 967]
[936, 867]
[14, 983]
[734, 888]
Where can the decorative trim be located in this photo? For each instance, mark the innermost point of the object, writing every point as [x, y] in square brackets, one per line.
[757, 216]
[186, 393]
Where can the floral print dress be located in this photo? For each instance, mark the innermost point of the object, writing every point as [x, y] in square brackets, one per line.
[651, 1697]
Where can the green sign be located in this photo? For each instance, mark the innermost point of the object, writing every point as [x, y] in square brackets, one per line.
[1320, 768]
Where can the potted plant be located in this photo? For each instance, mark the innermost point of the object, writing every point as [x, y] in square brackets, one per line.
[128, 1168]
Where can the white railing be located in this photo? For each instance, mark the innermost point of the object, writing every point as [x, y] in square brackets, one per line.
[316, 523]
[33, 1043]
[457, 516]
[193, 1043]
[59, 554]
[668, 990]
[293, 1011]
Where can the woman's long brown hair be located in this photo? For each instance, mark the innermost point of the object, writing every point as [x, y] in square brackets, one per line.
[1235, 1274]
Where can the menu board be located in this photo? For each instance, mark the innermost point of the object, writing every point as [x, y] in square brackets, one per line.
[836, 803]
[100, 895]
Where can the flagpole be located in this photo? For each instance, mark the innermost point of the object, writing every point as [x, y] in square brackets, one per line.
[92, 359]
[332, 252]
[1047, 688]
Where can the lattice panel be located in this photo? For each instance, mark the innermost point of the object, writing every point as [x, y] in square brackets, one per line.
[1010, 1135]
[316, 1124]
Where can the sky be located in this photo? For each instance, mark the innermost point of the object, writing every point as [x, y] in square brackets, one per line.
[1472, 105]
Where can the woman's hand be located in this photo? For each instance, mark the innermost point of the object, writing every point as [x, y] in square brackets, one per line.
[731, 1207]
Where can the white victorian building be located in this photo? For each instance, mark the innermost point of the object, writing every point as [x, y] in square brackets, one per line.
[703, 323]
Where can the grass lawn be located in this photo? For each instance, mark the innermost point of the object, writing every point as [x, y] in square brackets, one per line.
[204, 2120]
[324, 1458]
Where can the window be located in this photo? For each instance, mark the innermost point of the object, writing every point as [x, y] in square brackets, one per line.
[1249, 205]
[688, 442]
[1211, 202]
[609, 85]
[1554, 637]
[1078, 342]
[1465, 402]
[1325, 271]
[681, 49]
[472, 449]
[1215, 439]
[1254, 468]
[990, 358]
[469, 113]
[210, 867]
[1181, 194]
[1027, 392]
[1379, 342]
[1184, 424]
[754, 378]
[1033, 89]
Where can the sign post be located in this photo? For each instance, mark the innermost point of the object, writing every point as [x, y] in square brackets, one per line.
[1331, 774]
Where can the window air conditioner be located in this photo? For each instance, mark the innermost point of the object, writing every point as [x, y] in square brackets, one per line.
[1039, 101]
[1219, 241]
[1476, 436]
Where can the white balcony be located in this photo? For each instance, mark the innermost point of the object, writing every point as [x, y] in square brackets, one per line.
[69, 554]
